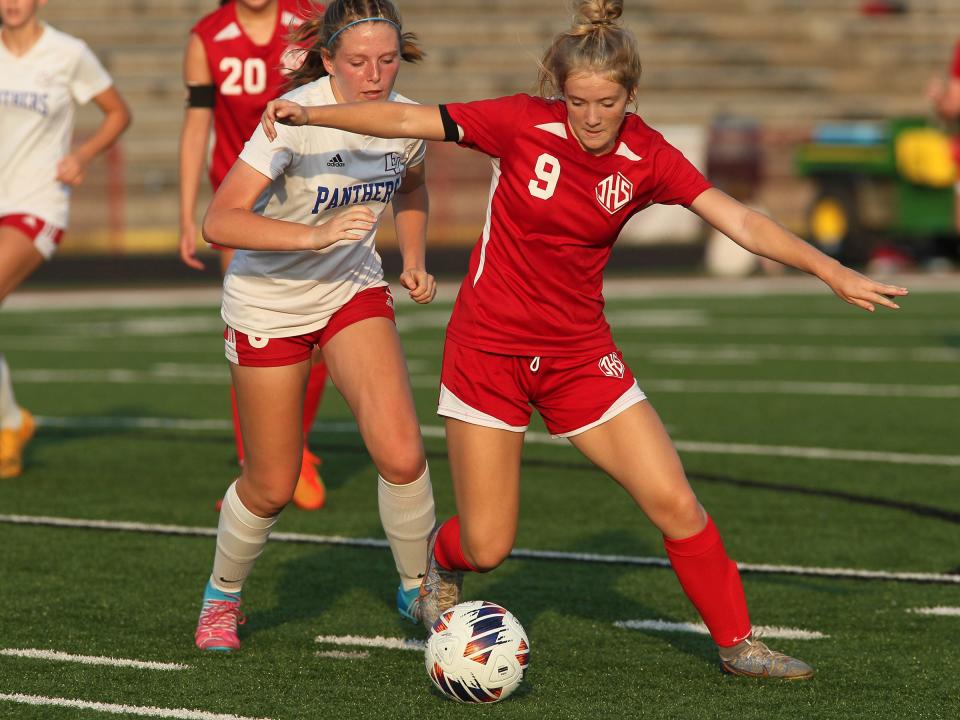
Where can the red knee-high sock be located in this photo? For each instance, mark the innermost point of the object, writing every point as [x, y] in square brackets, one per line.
[237, 435]
[447, 549]
[315, 386]
[712, 582]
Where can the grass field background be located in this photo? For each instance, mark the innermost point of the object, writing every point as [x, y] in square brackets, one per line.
[769, 398]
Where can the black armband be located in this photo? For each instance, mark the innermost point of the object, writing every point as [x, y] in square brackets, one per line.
[201, 96]
[451, 131]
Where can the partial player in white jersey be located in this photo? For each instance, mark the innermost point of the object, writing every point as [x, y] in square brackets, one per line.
[44, 74]
[302, 214]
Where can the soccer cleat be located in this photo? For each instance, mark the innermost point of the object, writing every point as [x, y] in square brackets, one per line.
[754, 659]
[440, 588]
[310, 493]
[408, 603]
[12, 443]
[219, 617]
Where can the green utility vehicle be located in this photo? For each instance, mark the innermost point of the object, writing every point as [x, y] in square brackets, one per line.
[880, 182]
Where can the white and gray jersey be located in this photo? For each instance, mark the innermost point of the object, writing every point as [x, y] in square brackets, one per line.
[316, 173]
[39, 91]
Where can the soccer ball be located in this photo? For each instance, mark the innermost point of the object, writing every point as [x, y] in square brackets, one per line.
[477, 652]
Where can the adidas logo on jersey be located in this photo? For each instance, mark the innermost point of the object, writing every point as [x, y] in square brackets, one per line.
[335, 161]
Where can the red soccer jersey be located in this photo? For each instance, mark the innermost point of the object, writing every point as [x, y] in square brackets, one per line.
[535, 284]
[246, 77]
[955, 67]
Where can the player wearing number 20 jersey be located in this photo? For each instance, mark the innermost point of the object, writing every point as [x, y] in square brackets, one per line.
[534, 287]
[246, 76]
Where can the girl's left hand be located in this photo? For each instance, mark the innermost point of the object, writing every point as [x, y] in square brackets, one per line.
[70, 170]
[421, 284]
[859, 290]
[285, 112]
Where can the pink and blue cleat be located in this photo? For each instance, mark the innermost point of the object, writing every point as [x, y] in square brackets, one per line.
[219, 617]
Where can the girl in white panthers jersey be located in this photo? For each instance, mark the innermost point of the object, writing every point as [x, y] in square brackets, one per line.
[44, 74]
[302, 213]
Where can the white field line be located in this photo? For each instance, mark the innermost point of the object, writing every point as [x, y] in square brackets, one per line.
[518, 553]
[218, 375]
[343, 654]
[681, 321]
[790, 387]
[695, 353]
[788, 326]
[763, 631]
[815, 453]
[174, 374]
[939, 610]
[389, 643]
[613, 288]
[531, 438]
[143, 711]
[56, 656]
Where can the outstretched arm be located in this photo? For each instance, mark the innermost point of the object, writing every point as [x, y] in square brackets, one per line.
[379, 119]
[760, 235]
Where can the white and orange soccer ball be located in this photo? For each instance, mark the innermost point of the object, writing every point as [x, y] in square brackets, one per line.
[477, 652]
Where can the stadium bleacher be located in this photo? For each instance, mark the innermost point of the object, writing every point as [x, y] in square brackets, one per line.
[783, 63]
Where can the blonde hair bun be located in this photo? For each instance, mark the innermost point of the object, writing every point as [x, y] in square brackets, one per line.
[588, 13]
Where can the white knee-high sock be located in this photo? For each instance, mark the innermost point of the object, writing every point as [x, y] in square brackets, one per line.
[408, 516]
[241, 537]
[9, 410]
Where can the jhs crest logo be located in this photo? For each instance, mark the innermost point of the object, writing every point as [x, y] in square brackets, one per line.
[611, 366]
[614, 192]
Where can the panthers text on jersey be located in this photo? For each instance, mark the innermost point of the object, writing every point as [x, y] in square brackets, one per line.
[535, 282]
[316, 172]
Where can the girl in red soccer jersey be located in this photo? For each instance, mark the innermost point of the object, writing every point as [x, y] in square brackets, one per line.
[44, 74]
[302, 214]
[234, 64]
[528, 326]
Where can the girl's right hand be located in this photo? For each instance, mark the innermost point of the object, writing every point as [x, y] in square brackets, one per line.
[188, 246]
[352, 225]
[285, 112]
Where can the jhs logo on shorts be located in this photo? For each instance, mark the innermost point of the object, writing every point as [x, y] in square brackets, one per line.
[612, 366]
[389, 298]
[258, 342]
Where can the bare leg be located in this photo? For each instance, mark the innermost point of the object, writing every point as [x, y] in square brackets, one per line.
[365, 362]
[18, 259]
[270, 402]
[636, 451]
[485, 465]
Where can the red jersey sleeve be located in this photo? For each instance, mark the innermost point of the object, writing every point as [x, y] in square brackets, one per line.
[677, 181]
[489, 125]
[955, 68]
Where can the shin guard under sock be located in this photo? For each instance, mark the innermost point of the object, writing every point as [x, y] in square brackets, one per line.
[712, 582]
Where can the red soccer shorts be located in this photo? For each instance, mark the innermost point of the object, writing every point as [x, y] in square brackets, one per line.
[44, 236]
[252, 351]
[572, 394]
